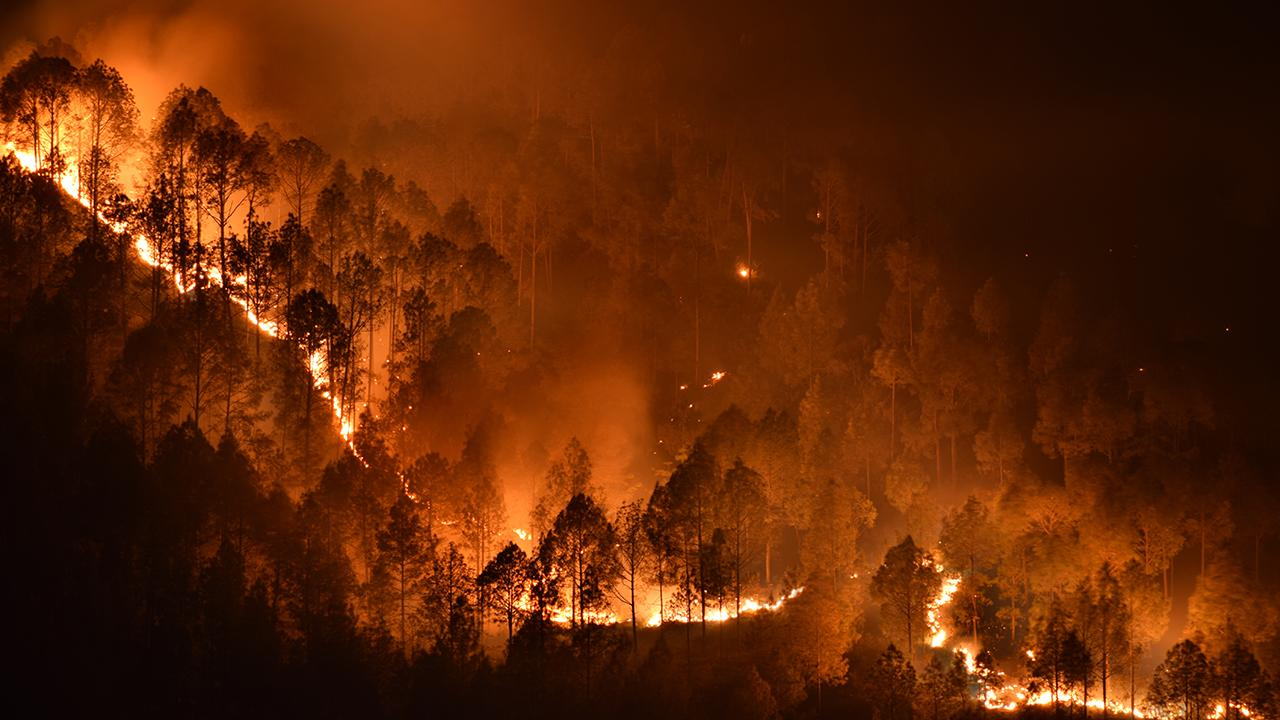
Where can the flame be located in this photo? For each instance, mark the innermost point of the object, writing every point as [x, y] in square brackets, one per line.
[1008, 697]
[1220, 711]
[146, 253]
[933, 611]
[716, 377]
[750, 606]
[1011, 696]
[523, 534]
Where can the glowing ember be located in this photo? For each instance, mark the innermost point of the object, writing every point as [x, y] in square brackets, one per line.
[716, 377]
[744, 272]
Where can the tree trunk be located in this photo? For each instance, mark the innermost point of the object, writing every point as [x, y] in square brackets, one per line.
[893, 419]
[937, 452]
[746, 212]
[768, 562]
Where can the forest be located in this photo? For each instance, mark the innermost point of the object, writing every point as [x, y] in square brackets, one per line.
[665, 374]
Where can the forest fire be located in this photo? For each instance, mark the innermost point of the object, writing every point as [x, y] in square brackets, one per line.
[933, 614]
[145, 251]
[394, 381]
[750, 606]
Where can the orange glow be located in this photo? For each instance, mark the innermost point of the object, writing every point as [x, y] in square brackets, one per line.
[750, 606]
[146, 253]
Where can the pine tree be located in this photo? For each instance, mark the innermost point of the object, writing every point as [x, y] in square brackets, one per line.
[404, 548]
[1182, 683]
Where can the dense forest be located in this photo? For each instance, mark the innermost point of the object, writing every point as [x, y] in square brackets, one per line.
[606, 395]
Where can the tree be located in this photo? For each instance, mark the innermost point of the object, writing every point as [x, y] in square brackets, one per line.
[1181, 684]
[219, 156]
[393, 246]
[372, 197]
[893, 685]
[742, 516]
[111, 119]
[359, 293]
[1158, 539]
[145, 383]
[990, 310]
[1059, 659]
[814, 640]
[288, 255]
[211, 353]
[569, 475]
[481, 509]
[582, 548]
[689, 513]
[906, 582]
[428, 480]
[633, 557]
[662, 545]
[302, 164]
[449, 587]
[891, 367]
[36, 94]
[967, 534]
[312, 324]
[1105, 626]
[839, 515]
[504, 583]
[946, 685]
[183, 118]
[250, 260]
[332, 228]
[1077, 664]
[460, 223]
[403, 549]
[1226, 602]
[1240, 685]
[257, 170]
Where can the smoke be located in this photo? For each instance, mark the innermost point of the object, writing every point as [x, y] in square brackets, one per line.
[294, 63]
[1051, 124]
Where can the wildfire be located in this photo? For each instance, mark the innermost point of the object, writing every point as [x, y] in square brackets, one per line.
[1219, 711]
[1010, 696]
[146, 253]
[933, 611]
[750, 606]
[744, 272]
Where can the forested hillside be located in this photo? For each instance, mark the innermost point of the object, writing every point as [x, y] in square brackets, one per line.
[612, 396]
